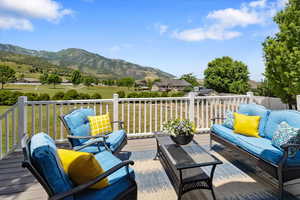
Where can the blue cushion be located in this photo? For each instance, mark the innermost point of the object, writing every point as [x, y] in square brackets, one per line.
[78, 123]
[276, 117]
[118, 181]
[45, 159]
[225, 133]
[256, 110]
[263, 148]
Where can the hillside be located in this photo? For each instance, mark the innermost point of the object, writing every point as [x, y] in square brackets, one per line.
[91, 63]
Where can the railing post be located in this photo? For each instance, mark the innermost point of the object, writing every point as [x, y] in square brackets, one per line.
[251, 97]
[298, 102]
[22, 118]
[115, 111]
[192, 106]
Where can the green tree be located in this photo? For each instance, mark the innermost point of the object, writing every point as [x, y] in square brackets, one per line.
[191, 78]
[227, 75]
[6, 75]
[76, 78]
[54, 79]
[282, 54]
[88, 81]
[44, 78]
[127, 82]
[264, 89]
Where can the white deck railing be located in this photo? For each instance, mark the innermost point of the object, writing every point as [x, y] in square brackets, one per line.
[141, 116]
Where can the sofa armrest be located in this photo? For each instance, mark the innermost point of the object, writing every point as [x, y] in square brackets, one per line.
[84, 186]
[217, 117]
[86, 137]
[287, 146]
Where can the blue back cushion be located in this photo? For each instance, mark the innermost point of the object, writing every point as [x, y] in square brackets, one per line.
[78, 123]
[276, 117]
[44, 157]
[256, 110]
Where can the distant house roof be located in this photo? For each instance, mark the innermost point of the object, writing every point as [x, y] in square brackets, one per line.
[141, 83]
[173, 83]
[205, 91]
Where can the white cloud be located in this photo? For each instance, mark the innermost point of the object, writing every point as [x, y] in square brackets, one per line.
[7, 22]
[163, 29]
[43, 9]
[212, 33]
[258, 3]
[117, 48]
[224, 22]
[235, 17]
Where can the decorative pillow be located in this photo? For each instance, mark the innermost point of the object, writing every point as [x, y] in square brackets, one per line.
[246, 125]
[100, 124]
[286, 134]
[81, 167]
[229, 119]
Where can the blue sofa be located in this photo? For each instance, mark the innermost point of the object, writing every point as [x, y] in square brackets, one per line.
[40, 157]
[263, 154]
[77, 124]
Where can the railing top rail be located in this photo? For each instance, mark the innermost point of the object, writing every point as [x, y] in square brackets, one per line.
[71, 101]
[8, 111]
[153, 99]
[221, 97]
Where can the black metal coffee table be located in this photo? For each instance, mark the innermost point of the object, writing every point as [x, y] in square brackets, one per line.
[183, 165]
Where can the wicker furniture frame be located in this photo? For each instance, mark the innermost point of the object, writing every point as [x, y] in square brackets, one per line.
[186, 175]
[130, 194]
[281, 172]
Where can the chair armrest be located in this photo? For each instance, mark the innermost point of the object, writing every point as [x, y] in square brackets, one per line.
[86, 137]
[287, 146]
[84, 186]
[121, 123]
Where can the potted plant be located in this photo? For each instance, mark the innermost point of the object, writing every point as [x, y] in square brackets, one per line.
[180, 131]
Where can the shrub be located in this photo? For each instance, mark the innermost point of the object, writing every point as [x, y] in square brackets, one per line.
[188, 89]
[121, 94]
[31, 96]
[84, 96]
[177, 94]
[71, 94]
[96, 96]
[58, 96]
[44, 97]
[164, 94]
[133, 95]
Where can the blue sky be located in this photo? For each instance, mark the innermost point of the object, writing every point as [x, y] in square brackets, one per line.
[177, 36]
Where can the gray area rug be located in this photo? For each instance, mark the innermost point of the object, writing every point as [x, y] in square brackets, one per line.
[235, 179]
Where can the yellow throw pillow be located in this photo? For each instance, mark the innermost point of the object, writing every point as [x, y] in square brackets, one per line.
[100, 124]
[81, 167]
[246, 125]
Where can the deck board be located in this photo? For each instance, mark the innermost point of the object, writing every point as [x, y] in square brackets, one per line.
[17, 183]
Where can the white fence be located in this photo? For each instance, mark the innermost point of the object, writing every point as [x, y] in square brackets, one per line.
[141, 116]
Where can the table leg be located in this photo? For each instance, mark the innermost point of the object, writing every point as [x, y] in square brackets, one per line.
[212, 172]
[157, 149]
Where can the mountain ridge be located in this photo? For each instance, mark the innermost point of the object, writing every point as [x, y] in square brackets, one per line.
[89, 62]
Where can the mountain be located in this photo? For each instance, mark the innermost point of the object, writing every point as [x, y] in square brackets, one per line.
[91, 63]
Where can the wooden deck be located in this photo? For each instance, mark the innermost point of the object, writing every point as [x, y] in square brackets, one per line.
[17, 183]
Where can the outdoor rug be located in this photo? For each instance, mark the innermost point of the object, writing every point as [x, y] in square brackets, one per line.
[233, 180]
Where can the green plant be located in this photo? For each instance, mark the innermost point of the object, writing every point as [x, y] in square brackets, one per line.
[44, 97]
[96, 96]
[84, 96]
[190, 78]
[179, 127]
[76, 78]
[71, 94]
[121, 94]
[58, 96]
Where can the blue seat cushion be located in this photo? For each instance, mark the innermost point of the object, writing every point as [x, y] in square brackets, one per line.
[78, 123]
[276, 117]
[263, 148]
[118, 181]
[44, 157]
[225, 133]
[256, 110]
[113, 141]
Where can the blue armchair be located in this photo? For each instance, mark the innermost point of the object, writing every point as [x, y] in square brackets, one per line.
[41, 159]
[77, 125]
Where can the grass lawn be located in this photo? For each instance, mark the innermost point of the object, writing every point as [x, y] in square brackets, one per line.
[105, 91]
